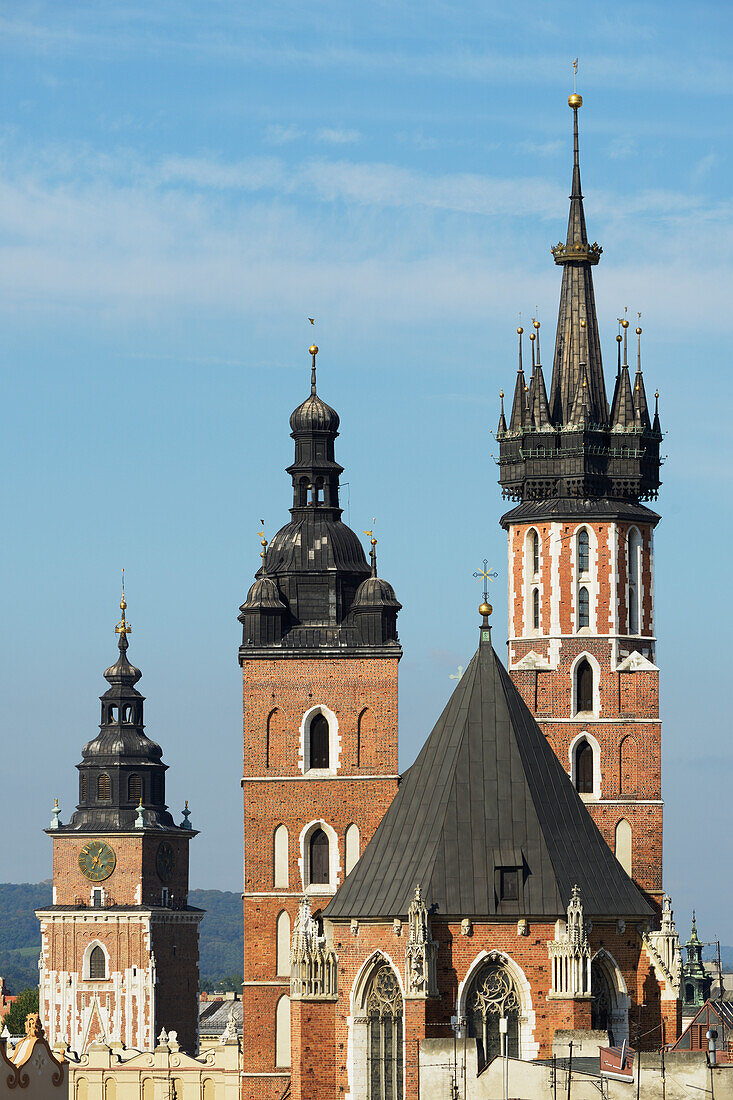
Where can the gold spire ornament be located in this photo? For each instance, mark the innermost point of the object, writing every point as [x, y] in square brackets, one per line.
[123, 627]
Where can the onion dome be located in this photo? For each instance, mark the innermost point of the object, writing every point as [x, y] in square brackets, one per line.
[263, 596]
[375, 607]
[261, 614]
[314, 415]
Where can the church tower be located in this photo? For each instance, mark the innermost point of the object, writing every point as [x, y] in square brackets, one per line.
[319, 660]
[119, 955]
[581, 562]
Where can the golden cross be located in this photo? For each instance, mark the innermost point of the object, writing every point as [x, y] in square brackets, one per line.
[487, 576]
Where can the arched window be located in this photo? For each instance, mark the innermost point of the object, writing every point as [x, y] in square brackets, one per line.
[97, 963]
[533, 555]
[583, 607]
[584, 686]
[492, 995]
[134, 788]
[584, 768]
[303, 492]
[384, 1011]
[583, 552]
[156, 787]
[352, 847]
[280, 845]
[83, 787]
[81, 1089]
[110, 1089]
[634, 550]
[318, 850]
[623, 845]
[104, 788]
[209, 1090]
[536, 609]
[283, 945]
[319, 738]
[282, 1032]
[627, 772]
[689, 993]
[601, 1005]
[365, 740]
[148, 1088]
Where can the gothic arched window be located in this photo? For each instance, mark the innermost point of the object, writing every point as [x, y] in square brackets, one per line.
[491, 996]
[634, 547]
[104, 788]
[97, 964]
[319, 738]
[584, 686]
[601, 1005]
[536, 609]
[134, 789]
[384, 1050]
[318, 851]
[584, 768]
[583, 551]
[583, 608]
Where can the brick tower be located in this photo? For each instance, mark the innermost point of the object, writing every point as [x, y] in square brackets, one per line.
[319, 659]
[580, 545]
[119, 956]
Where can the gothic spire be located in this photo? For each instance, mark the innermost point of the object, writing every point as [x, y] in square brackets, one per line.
[622, 407]
[518, 418]
[577, 303]
[540, 409]
[641, 408]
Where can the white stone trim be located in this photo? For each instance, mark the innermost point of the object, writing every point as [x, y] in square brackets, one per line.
[614, 608]
[334, 859]
[596, 749]
[334, 743]
[528, 1048]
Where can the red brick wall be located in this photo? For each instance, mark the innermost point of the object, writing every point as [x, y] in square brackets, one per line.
[135, 866]
[626, 722]
[362, 694]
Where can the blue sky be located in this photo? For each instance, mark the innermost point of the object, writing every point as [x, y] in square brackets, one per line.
[181, 186]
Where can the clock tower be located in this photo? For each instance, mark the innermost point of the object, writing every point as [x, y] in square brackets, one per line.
[119, 956]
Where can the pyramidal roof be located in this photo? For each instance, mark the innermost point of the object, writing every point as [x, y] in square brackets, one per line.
[487, 792]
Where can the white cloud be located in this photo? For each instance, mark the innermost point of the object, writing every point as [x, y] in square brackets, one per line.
[283, 135]
[338, 137]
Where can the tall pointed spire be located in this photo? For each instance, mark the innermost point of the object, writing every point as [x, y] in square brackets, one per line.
[540, 410]
[577, 303]
[518, 417]
[641, 408]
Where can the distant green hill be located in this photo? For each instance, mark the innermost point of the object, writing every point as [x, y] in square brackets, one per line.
[222, 934]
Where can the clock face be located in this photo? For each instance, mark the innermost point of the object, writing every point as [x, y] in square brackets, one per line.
[165, 861]
[97, 860]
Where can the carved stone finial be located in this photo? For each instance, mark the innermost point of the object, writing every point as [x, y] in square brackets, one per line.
[421, 979]
[570, 952]
[313, 964]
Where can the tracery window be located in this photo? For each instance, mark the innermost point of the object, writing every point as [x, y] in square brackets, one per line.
[384, 1013]
[601, 1005]
[491, 996]
[583, 608]
[583, 551]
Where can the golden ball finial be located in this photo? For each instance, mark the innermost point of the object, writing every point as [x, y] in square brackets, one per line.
[520, 330]
[536, 324]
[313, 349]
[619, 338]
[575, 101]
[501, 393]
[638, 332]
[582, 322]
[533, 335]
[123, 605]
[657, 395]
[373, 542]
[624, 323]
[485, 609]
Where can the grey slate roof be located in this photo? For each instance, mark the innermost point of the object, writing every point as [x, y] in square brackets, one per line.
[486, 792]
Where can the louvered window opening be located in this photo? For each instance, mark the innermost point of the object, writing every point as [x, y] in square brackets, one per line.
[82, 788]
[104, 788]
[134, 789]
